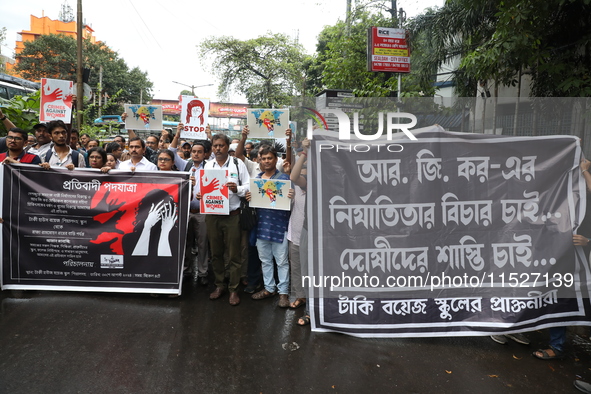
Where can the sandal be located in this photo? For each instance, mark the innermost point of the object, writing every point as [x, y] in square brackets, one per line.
[304, 320]
[546, 356]
[297, 303]
[262, 294]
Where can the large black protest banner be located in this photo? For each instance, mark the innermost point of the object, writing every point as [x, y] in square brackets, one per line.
[451, 234]
[84, 230]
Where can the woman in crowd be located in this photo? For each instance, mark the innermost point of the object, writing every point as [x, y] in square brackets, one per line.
[111, 161]
[97, 157]
[165, 160]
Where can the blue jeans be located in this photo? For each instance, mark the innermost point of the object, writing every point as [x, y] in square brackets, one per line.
[557, 338]
[268, 250]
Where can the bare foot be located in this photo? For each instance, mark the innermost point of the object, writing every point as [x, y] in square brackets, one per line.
[304, 320]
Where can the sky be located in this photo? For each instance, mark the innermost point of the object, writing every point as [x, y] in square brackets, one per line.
[161, 37]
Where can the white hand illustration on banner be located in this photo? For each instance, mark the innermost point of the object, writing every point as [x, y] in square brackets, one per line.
[165, 212]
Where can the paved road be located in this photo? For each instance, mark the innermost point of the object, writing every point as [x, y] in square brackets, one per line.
[60, 342]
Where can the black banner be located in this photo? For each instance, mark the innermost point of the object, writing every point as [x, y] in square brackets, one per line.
[83, 230]
[451, 234]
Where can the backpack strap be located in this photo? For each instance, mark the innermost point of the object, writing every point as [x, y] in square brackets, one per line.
[48, 155]
[189, 164]
[238, 171]
[75, 156]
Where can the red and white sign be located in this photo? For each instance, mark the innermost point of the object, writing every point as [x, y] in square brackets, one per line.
[214, 192]
[388, 50]
[56, 100]
[194, 113]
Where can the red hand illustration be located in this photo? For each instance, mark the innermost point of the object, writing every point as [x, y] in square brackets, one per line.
[210, 187]
[54, 96]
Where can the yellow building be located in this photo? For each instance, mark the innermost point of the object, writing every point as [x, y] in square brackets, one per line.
[43, 26]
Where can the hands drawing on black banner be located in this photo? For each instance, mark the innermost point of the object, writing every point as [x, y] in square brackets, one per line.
[162, 211]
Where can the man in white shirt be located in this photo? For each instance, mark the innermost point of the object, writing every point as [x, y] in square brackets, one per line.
[197, 229]
[43, 139]
[224, 231]
[61, 155]
[138, 162]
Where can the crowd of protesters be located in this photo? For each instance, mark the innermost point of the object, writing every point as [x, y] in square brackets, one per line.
[264, 261]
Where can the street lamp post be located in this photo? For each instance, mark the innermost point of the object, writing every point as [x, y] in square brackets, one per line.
[193, 87]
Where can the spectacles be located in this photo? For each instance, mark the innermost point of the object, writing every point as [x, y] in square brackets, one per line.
[164, 159]
[13, 138]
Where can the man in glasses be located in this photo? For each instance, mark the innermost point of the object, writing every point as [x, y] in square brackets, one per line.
[15, 141]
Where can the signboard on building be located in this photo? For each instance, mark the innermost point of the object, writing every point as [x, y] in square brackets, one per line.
[227, 110]
[387, 50]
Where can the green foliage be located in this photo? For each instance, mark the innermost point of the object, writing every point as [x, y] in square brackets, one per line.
[49, 56]
[54, 56]
[268, 70]
[345, 57]
[496, 40]
[22, 111]
[341, 60]
[89, 114]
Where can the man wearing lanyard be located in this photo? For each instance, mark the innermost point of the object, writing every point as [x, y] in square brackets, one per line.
[197, 230]
[224, 230]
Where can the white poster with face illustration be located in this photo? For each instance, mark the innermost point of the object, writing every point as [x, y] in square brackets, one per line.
[56, 100]
[194, 115]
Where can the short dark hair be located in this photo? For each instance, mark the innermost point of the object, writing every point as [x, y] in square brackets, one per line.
[112, 146]
[100, 151]
[94, 139]
[23, 133]
[84, 135]
[75, 131]
[201, 144]
[221, 137]
[266, 149]
[54, 124]
[138, 139]
[122, 138]
[206, 145]
[153, 136]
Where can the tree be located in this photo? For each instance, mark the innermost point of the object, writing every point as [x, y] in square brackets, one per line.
[23, 111]
[341, 58]
[268, 70]
[499, 40]
[2, 38]
[54, 56]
